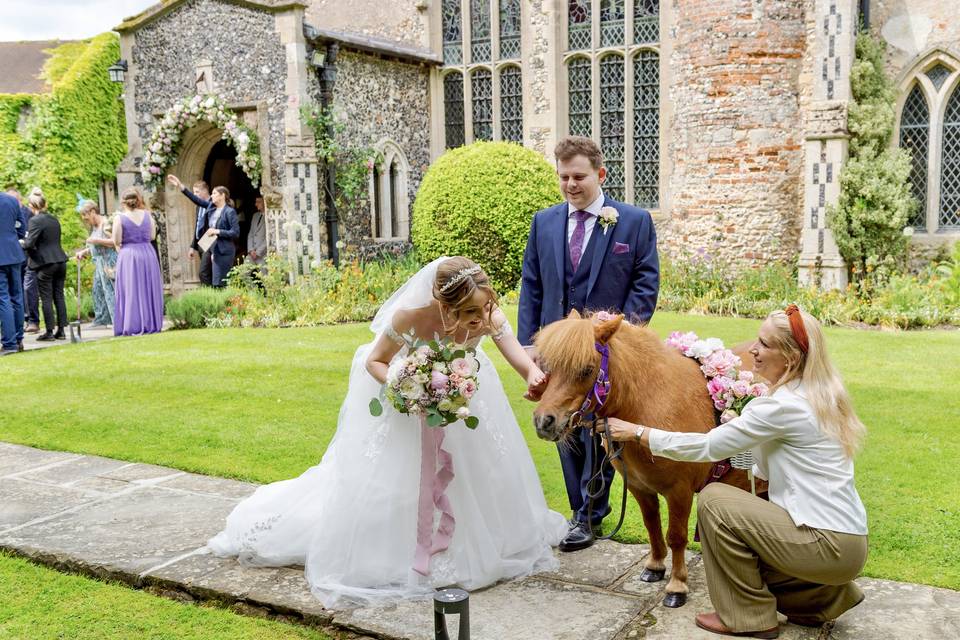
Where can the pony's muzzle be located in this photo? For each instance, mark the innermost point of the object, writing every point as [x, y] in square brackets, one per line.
[548, 427]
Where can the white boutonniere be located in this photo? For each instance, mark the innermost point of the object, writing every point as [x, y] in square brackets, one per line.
[607, 218]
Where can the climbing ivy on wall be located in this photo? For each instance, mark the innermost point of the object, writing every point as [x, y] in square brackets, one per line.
[75, 136]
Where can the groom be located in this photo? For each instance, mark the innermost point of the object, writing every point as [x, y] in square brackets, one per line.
[592, 253]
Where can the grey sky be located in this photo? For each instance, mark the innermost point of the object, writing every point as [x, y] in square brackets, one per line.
[63, 19]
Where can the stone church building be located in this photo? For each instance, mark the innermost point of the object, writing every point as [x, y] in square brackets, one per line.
[725, 118]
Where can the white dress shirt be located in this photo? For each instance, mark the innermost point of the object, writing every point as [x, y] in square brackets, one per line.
[810, 475]
[589, 223]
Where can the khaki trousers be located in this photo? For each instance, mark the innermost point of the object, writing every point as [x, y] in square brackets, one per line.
[759, 562]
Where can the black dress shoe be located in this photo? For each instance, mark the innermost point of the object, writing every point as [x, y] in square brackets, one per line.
[579, 537]
[47, 337]
[20, 345]
[60, 334]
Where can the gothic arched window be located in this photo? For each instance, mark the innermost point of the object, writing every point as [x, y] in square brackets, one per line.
[511, 104]
[915, 137]
[611, 124]
[390, 210]
[950, 166]
[646, 129]
[453, 109]
[580, 94]
[611, 23]
[480, 30]
[452, 35]
[481, 86]
[613, 89]
[509, 29]
[578, 24]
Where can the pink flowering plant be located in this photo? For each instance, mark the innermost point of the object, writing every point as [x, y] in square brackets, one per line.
[729, 388]
[435, 380]
[163, 146]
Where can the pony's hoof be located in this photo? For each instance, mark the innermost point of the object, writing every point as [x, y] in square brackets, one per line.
[653, 575]
[675, 600]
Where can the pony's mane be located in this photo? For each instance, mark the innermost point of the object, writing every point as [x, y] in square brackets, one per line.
[567, 345]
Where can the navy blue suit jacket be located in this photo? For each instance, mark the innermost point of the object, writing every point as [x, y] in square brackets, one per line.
[624, 274]
[229, 225]
[13, 226]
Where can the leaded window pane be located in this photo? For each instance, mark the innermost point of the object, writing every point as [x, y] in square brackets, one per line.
[377, 209]
[580, 108]
[938, 75]
[611, 124]
[578, 24]
[646, 21]
[452, 35]
[480, 30]
[394, 203]
[611, 23]
[481, 84]
[950, 169]
[453, 109]
[646, 129]
[511, 104]
[509, 29]
[915, 137]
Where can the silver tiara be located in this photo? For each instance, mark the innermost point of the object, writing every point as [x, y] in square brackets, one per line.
[460, 277]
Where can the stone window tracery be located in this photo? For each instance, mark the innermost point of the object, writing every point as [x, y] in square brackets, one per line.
[933, 141]
[482, 101]
[390, 210]
[613, 91]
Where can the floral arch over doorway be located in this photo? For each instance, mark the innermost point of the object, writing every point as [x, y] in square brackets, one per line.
[164, 144]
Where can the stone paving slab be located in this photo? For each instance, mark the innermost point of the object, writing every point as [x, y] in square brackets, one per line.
[147, 525]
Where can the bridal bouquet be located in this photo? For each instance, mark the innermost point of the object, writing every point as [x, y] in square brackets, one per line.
[435, 380]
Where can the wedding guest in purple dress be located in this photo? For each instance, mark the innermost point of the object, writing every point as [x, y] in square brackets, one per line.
[138, 286]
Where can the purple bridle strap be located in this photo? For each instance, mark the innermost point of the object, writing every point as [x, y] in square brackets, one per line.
[601, 386]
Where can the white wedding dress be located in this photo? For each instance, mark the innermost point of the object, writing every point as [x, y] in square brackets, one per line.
[351, 521]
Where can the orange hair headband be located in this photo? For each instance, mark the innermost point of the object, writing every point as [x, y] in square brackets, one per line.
[796, 327]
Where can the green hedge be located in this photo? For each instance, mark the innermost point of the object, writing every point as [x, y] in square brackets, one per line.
[478, 201]
[193, 309]
[75, 136]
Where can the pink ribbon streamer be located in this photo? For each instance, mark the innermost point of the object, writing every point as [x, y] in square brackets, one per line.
[433, 485]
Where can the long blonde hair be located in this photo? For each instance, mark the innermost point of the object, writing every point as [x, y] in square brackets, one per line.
[821, 380]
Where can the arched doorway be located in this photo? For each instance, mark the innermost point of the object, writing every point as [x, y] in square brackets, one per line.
[221, 170]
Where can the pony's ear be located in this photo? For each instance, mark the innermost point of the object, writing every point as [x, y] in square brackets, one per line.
[603, 331]
[574, 315]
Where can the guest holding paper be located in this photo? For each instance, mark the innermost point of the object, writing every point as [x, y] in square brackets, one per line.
[139, 287]
[217, 228]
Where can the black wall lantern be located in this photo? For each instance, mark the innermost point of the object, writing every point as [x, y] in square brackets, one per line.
[118, 71]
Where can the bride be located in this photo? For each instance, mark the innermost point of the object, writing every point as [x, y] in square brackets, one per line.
[364, 522]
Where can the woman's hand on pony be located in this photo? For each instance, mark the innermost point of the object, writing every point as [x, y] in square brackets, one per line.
[536, 384]
[623, 431]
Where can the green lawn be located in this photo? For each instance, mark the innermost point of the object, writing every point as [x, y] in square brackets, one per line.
[262, 404]
[39, 604]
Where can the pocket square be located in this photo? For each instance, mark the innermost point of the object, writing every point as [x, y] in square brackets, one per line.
[619, 247]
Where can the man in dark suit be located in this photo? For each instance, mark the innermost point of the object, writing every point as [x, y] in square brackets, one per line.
[589, 252]
[220, 220]
[200, 197]
[13, 228]
[31, 290]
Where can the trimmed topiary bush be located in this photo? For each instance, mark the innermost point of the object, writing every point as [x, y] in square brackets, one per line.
[477, 201]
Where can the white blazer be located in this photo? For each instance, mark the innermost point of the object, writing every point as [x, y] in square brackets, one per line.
[810, 475]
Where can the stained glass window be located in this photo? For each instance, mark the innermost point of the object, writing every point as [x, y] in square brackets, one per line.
[611, 124]
[579, 92]
[611, 23]
[915, 137]
[480, 30]
[938, 75]
[481, 84]
[452, 35]
[950, 167]
[646, 129]
[509, 29]
[578, 24]
[511, 104]
[646, 21]
[453, 109]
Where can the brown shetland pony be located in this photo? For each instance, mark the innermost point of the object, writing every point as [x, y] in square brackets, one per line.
[651, 384]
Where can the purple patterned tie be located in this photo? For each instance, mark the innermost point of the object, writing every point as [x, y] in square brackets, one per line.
[576, 240]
